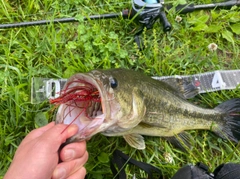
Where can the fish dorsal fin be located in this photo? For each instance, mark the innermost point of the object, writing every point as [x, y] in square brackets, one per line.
[183, 141]
[183, 87]
[135, 141]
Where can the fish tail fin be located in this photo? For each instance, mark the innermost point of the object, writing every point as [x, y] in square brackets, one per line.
[230, 128]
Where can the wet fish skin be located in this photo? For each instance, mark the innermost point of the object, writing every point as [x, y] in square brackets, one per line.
[139, 105]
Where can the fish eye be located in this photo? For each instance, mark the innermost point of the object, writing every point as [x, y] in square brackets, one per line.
[113, 82]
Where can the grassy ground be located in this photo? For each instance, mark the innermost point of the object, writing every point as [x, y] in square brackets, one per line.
[61, 50]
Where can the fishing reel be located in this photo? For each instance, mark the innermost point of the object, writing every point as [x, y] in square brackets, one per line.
[148, 12]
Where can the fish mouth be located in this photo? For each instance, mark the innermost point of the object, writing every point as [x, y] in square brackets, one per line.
[84, 102]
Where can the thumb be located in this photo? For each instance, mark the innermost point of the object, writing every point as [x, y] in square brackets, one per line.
[59, 133]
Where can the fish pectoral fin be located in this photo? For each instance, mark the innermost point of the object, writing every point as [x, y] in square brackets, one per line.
[135, 141]
[183, 141]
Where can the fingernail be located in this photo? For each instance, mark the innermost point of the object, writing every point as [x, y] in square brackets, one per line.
[72, 129]
[59, 173]
[69, 154]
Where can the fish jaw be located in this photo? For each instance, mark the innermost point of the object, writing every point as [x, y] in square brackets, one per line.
[70, 113]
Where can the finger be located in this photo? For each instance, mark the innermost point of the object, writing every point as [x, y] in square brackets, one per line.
[46, 127]
[73, 151]
[66, 169]
[38, 132]
[59, 133]
[80, 174]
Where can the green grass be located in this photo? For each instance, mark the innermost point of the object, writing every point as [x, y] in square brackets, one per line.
[59, 51]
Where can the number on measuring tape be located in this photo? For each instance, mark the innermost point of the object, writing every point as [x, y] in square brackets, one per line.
[52, 88]
[217, 81]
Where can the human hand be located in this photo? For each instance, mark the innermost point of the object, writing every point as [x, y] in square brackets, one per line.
[37, 156]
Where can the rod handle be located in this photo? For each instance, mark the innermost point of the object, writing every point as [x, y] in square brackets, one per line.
[166, 24]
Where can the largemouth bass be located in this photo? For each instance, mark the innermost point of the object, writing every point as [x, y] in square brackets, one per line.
[121, 102]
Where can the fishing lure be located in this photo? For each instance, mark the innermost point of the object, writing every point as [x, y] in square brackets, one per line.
[80, 94]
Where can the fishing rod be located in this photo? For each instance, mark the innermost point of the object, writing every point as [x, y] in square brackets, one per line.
[144, 9]
[145, 12]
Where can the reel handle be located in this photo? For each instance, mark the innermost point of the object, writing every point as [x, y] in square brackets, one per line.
[166, 24]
